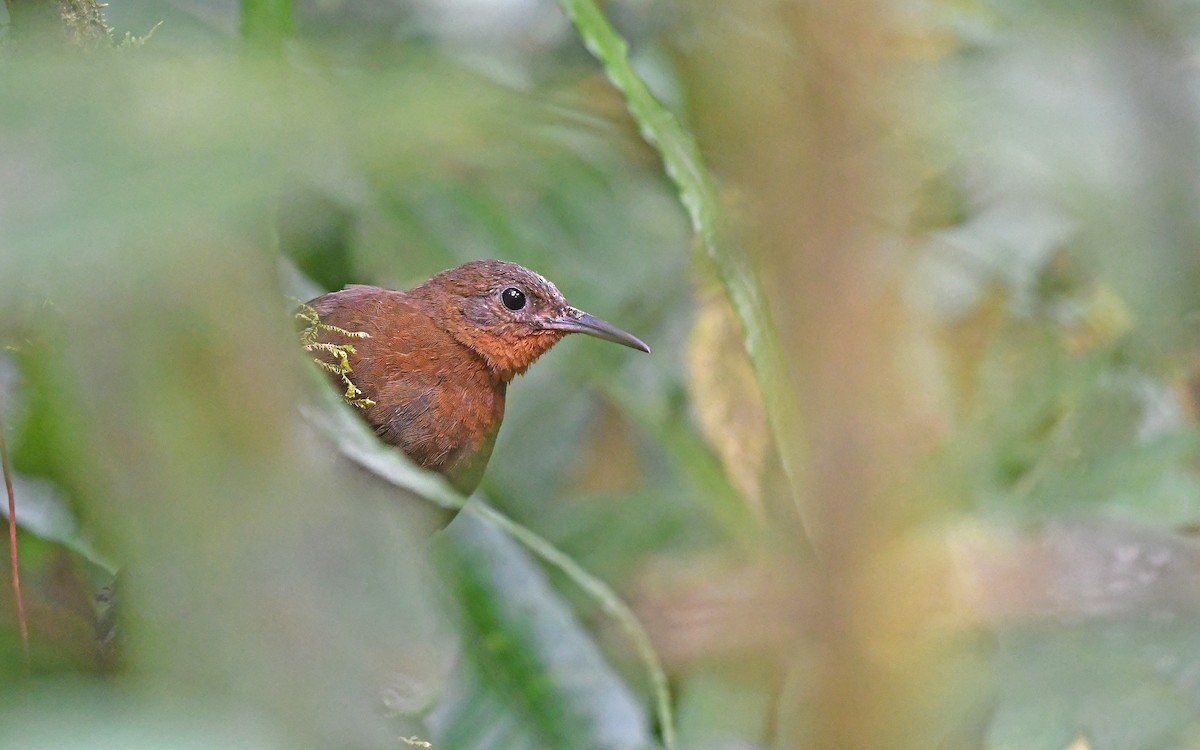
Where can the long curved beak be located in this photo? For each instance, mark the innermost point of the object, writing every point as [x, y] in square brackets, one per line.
[577, 321]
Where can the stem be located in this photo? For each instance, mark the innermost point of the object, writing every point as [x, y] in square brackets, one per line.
[22, 623]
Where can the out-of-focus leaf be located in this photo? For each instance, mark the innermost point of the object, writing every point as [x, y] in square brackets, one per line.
[267, 23]
[1126, 686]
[257, 570]
[1098, 128]
[547, 683]
[86, 716]
[41, 510]
[1096, 628]
[58, 588]
[726, 398]
[724, 708]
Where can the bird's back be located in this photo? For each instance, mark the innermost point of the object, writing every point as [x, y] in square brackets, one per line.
[435, 399]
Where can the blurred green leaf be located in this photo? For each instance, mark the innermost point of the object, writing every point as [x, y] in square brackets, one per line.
[1124, 686]
[548, 685]
[267, 23]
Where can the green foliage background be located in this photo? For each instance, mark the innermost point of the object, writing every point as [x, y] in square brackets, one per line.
[913, 464]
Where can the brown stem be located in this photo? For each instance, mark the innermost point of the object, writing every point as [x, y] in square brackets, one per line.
[22, 623]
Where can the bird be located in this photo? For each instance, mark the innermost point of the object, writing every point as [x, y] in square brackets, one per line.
[436, 360]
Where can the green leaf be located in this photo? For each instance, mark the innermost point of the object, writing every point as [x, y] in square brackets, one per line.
[1123, 686]
[539, 678]
[267, 23]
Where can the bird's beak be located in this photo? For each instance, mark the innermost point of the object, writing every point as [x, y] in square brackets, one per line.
[577, 321]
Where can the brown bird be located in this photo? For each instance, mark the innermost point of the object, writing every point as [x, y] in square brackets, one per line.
[439, 357]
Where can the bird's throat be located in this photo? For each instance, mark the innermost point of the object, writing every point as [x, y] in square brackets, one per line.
[507, 354]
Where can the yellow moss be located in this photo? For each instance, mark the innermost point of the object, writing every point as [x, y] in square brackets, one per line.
[310, 337]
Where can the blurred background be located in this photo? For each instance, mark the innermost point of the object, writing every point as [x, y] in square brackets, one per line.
[914, 463]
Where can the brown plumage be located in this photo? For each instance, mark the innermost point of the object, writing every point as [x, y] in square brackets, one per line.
[439, 357]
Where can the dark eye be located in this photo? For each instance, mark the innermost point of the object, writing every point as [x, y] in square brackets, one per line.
[513, 298]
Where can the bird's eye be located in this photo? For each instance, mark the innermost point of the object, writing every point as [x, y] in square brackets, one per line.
[513, 298]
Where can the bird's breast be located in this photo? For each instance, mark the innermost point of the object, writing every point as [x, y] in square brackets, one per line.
[444, 421]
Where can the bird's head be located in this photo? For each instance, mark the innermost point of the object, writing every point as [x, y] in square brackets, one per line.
[508, 314]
